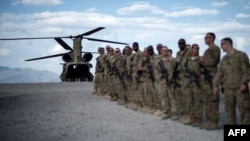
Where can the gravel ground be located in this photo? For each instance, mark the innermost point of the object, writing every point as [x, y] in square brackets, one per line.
[68, 112]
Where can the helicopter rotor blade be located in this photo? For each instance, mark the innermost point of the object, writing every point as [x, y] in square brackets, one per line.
[92, 31]
[63, 44]
[89, 52]
[33, 38]
[44, 57]
[93, 39]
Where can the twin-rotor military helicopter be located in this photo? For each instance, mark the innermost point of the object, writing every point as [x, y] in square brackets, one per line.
[76, 66]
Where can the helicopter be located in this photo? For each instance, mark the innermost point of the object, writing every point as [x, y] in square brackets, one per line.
[76, 67]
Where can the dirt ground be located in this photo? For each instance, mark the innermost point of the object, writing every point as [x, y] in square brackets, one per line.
[69, 112]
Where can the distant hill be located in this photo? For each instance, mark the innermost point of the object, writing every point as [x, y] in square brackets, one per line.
[17, 75]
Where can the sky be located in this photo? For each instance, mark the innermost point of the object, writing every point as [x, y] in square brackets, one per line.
[147, 22]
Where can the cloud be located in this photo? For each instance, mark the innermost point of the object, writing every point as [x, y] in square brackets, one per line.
[147, 8]
[234, 26]
[242, 15]
[73, 19]
[247, 6]
[218, 4]
[144, 36]
[192, 12]
[57, 49]
[38, 2]
[93, 9]
[140, 8]
[241, 43]
[56, 23]
[4, 51]
[146, 29]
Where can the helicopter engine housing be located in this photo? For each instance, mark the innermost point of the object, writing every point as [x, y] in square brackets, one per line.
[67, 57]
[87, 57]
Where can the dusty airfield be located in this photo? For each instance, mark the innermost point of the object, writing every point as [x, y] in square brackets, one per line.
[69, 112]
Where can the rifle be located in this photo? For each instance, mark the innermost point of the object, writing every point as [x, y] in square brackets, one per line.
[221, 88]
[150, 68]
[207, 75]
[164, 72]
[99, 67]
[176, 71]
[193, 77]
[175, 76]
[130, 71]
[116, 72]
[109, 67]
[139, 75]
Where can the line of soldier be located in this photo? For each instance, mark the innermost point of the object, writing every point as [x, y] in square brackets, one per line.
[181, 88]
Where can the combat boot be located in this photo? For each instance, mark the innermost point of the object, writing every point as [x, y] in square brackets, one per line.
[174, 116]
[150, 110]
[231, 122]
[113, 98]
[196, 122]
[107, 96]
[187, 120]
[133, 106]
[158, 113]
[121, 102]
[144, 109]
[165, 116]
[211, 126]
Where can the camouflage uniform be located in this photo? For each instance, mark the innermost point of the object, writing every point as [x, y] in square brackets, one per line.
[211, 103]
[112, 79]
[180, 90]
[163, 83]
[129, 73]
[134, 83]
[146, 83]
[119, 86]
[107, 76]
[98, 81]
[233, 71]
[193, 95]
[155, 97]
[157, 81]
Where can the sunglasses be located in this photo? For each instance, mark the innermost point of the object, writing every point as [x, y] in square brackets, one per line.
[196, 48]
[207, 37]
[223, 43]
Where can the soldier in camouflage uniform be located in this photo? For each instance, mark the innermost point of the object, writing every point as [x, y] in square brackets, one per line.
[117, 71]
[154, 97]
[134, 83]
[105, 77]
[173, 100]
[178, 77]
[164, 69]
[99, 71]
[129, 57]
[159, 109]
[108, 75]
[111, 75]
[233, 72]
[193, 84]
[146, 79]
[210, 61]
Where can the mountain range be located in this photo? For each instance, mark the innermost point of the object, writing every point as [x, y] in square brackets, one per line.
[28, 75]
